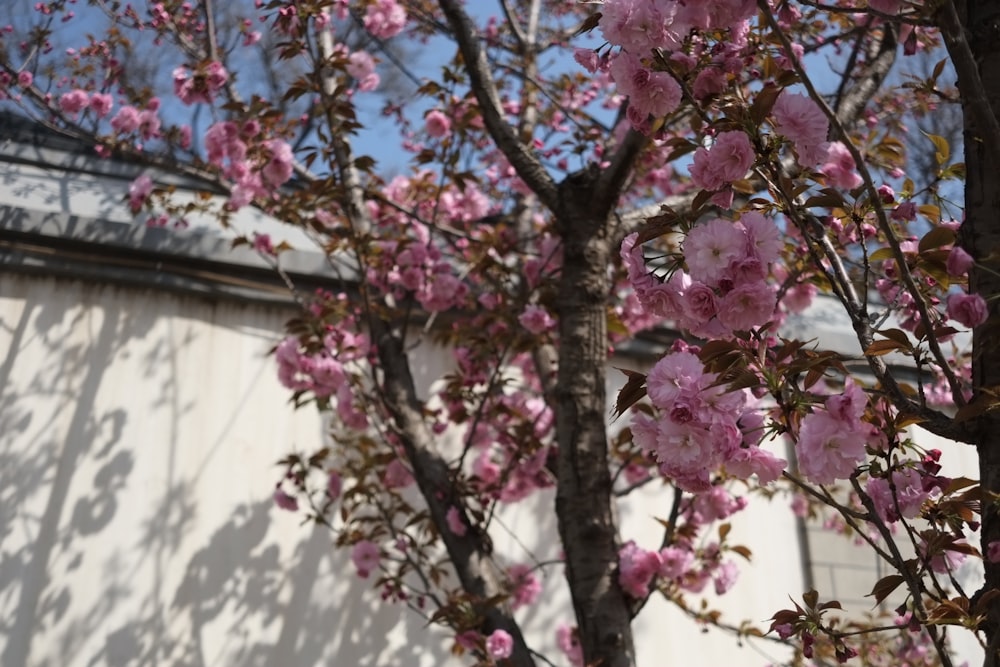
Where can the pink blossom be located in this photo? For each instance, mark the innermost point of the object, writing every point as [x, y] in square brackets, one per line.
[568, 641]
[455, 523]
[672, 374]
[285, 501]
[636, 569]
[728, 160]
[828, 449]
[215, 76]
[700, 303]
[939, 557]
[366, 556]
[650, 93]
[527, 587]
[100, 104]
[907, 500]
[396, 475]
[334, 484]
[361, 66]
[710, 81]
[802, 122]
[969, 310]
[24, 79]
[126, 120]
[201, 85]
[587, 58]
[437, 124]
[717, 504]
[959, 262]
[441, 292]
[904, 212]
[725, 577]
[747, 461]
[763, 236]
[138, 192]
[536, 319]
[485, 468]
[748, 306]
[849, 405]
[385, 18]
[74, 101]
[500, 644]
[840, 169]
[278, 168]
[262, 243]
[675, 562]
[149, 124]
[640, 26]
[710, 247]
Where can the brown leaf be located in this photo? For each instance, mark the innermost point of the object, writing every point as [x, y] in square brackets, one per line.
[633, 391]
[885, 586]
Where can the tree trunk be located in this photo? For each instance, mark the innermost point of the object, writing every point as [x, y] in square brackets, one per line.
[584, 502]
[981, 237]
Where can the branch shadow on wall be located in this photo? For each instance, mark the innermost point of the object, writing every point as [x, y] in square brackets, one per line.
[99, 569]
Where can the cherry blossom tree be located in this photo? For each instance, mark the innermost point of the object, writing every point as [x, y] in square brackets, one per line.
[578, 175]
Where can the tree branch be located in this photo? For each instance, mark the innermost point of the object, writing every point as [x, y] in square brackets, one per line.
[524, 161]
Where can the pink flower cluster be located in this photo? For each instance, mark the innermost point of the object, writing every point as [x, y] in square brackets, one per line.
[201, 84]
[526, 587]
[361, 67]
[650, 93]
[324, 372]
[385, 18]
[410, 260]
[701, 426]
[510, 467]
[130, 120]
[840, 169]
[639, 26]
[831, 442]
[725, 288]
[138, 191]
[904, 496]
[801, 121]
[226, 148]
[366, 557]
[727, 161]
[969, 310]
[499, 644]
[684, 563]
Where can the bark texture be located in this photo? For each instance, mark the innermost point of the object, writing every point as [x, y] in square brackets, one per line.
[979, 83]
[584, 502]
